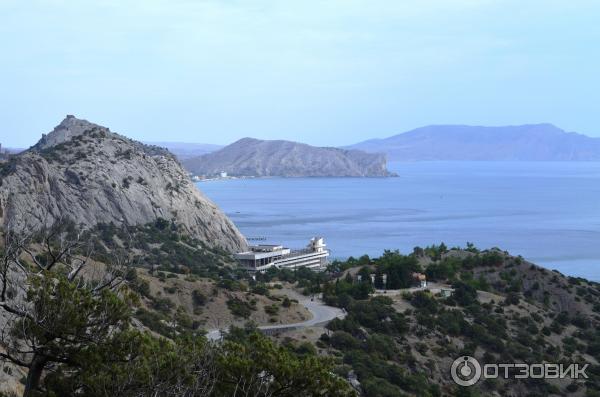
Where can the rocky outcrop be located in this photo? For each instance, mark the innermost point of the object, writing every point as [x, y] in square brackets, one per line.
[92, 175]
[253, 157]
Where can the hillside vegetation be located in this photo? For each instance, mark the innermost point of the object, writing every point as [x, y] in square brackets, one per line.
[80, 320]
[503, 309]
[396, 338]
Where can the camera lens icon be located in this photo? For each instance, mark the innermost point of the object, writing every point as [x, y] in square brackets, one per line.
[465, 371]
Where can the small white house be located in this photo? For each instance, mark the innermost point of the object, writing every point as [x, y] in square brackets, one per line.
[223, 174]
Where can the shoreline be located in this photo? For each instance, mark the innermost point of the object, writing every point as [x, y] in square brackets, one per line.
[292, 177]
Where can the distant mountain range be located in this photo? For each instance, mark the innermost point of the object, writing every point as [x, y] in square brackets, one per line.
[187, 150]
[532, 142]
[254, 157]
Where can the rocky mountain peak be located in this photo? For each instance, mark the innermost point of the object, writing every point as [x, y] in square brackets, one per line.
[97, 176]
[69, 128]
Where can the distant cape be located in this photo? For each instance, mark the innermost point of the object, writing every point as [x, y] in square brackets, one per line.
[254, 157]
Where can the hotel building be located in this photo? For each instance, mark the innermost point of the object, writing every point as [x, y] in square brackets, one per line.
[263, 256]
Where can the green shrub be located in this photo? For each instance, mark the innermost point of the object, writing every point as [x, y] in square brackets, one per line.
[240, 308]
[198, 298]
[272, 309]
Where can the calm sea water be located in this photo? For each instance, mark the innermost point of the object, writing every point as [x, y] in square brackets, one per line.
[547, 212]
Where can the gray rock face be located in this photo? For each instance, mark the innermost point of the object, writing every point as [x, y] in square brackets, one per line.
[93, 175]
[253, 157]
[69, 128]
[533, 142]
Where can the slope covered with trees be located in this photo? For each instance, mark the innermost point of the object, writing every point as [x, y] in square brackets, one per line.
[68, 321]
[502, 309]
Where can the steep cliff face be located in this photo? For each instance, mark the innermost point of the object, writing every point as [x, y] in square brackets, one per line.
[253, 157]
[92, 175]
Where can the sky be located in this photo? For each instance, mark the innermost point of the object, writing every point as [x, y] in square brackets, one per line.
[324, 72]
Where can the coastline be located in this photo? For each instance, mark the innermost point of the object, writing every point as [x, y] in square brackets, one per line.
[227, 178]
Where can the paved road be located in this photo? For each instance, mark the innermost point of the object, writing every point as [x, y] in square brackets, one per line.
[321, 313]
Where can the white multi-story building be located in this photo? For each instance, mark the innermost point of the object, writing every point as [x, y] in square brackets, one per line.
[263, 256]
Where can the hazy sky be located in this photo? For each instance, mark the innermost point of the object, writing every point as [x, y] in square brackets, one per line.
[323, 72]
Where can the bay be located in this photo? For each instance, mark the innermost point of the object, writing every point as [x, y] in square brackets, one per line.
[547, 212]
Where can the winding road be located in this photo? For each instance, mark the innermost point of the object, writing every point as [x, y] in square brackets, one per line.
[321, 314]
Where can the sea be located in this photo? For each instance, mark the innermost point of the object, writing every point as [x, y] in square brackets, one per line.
[548, 212]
